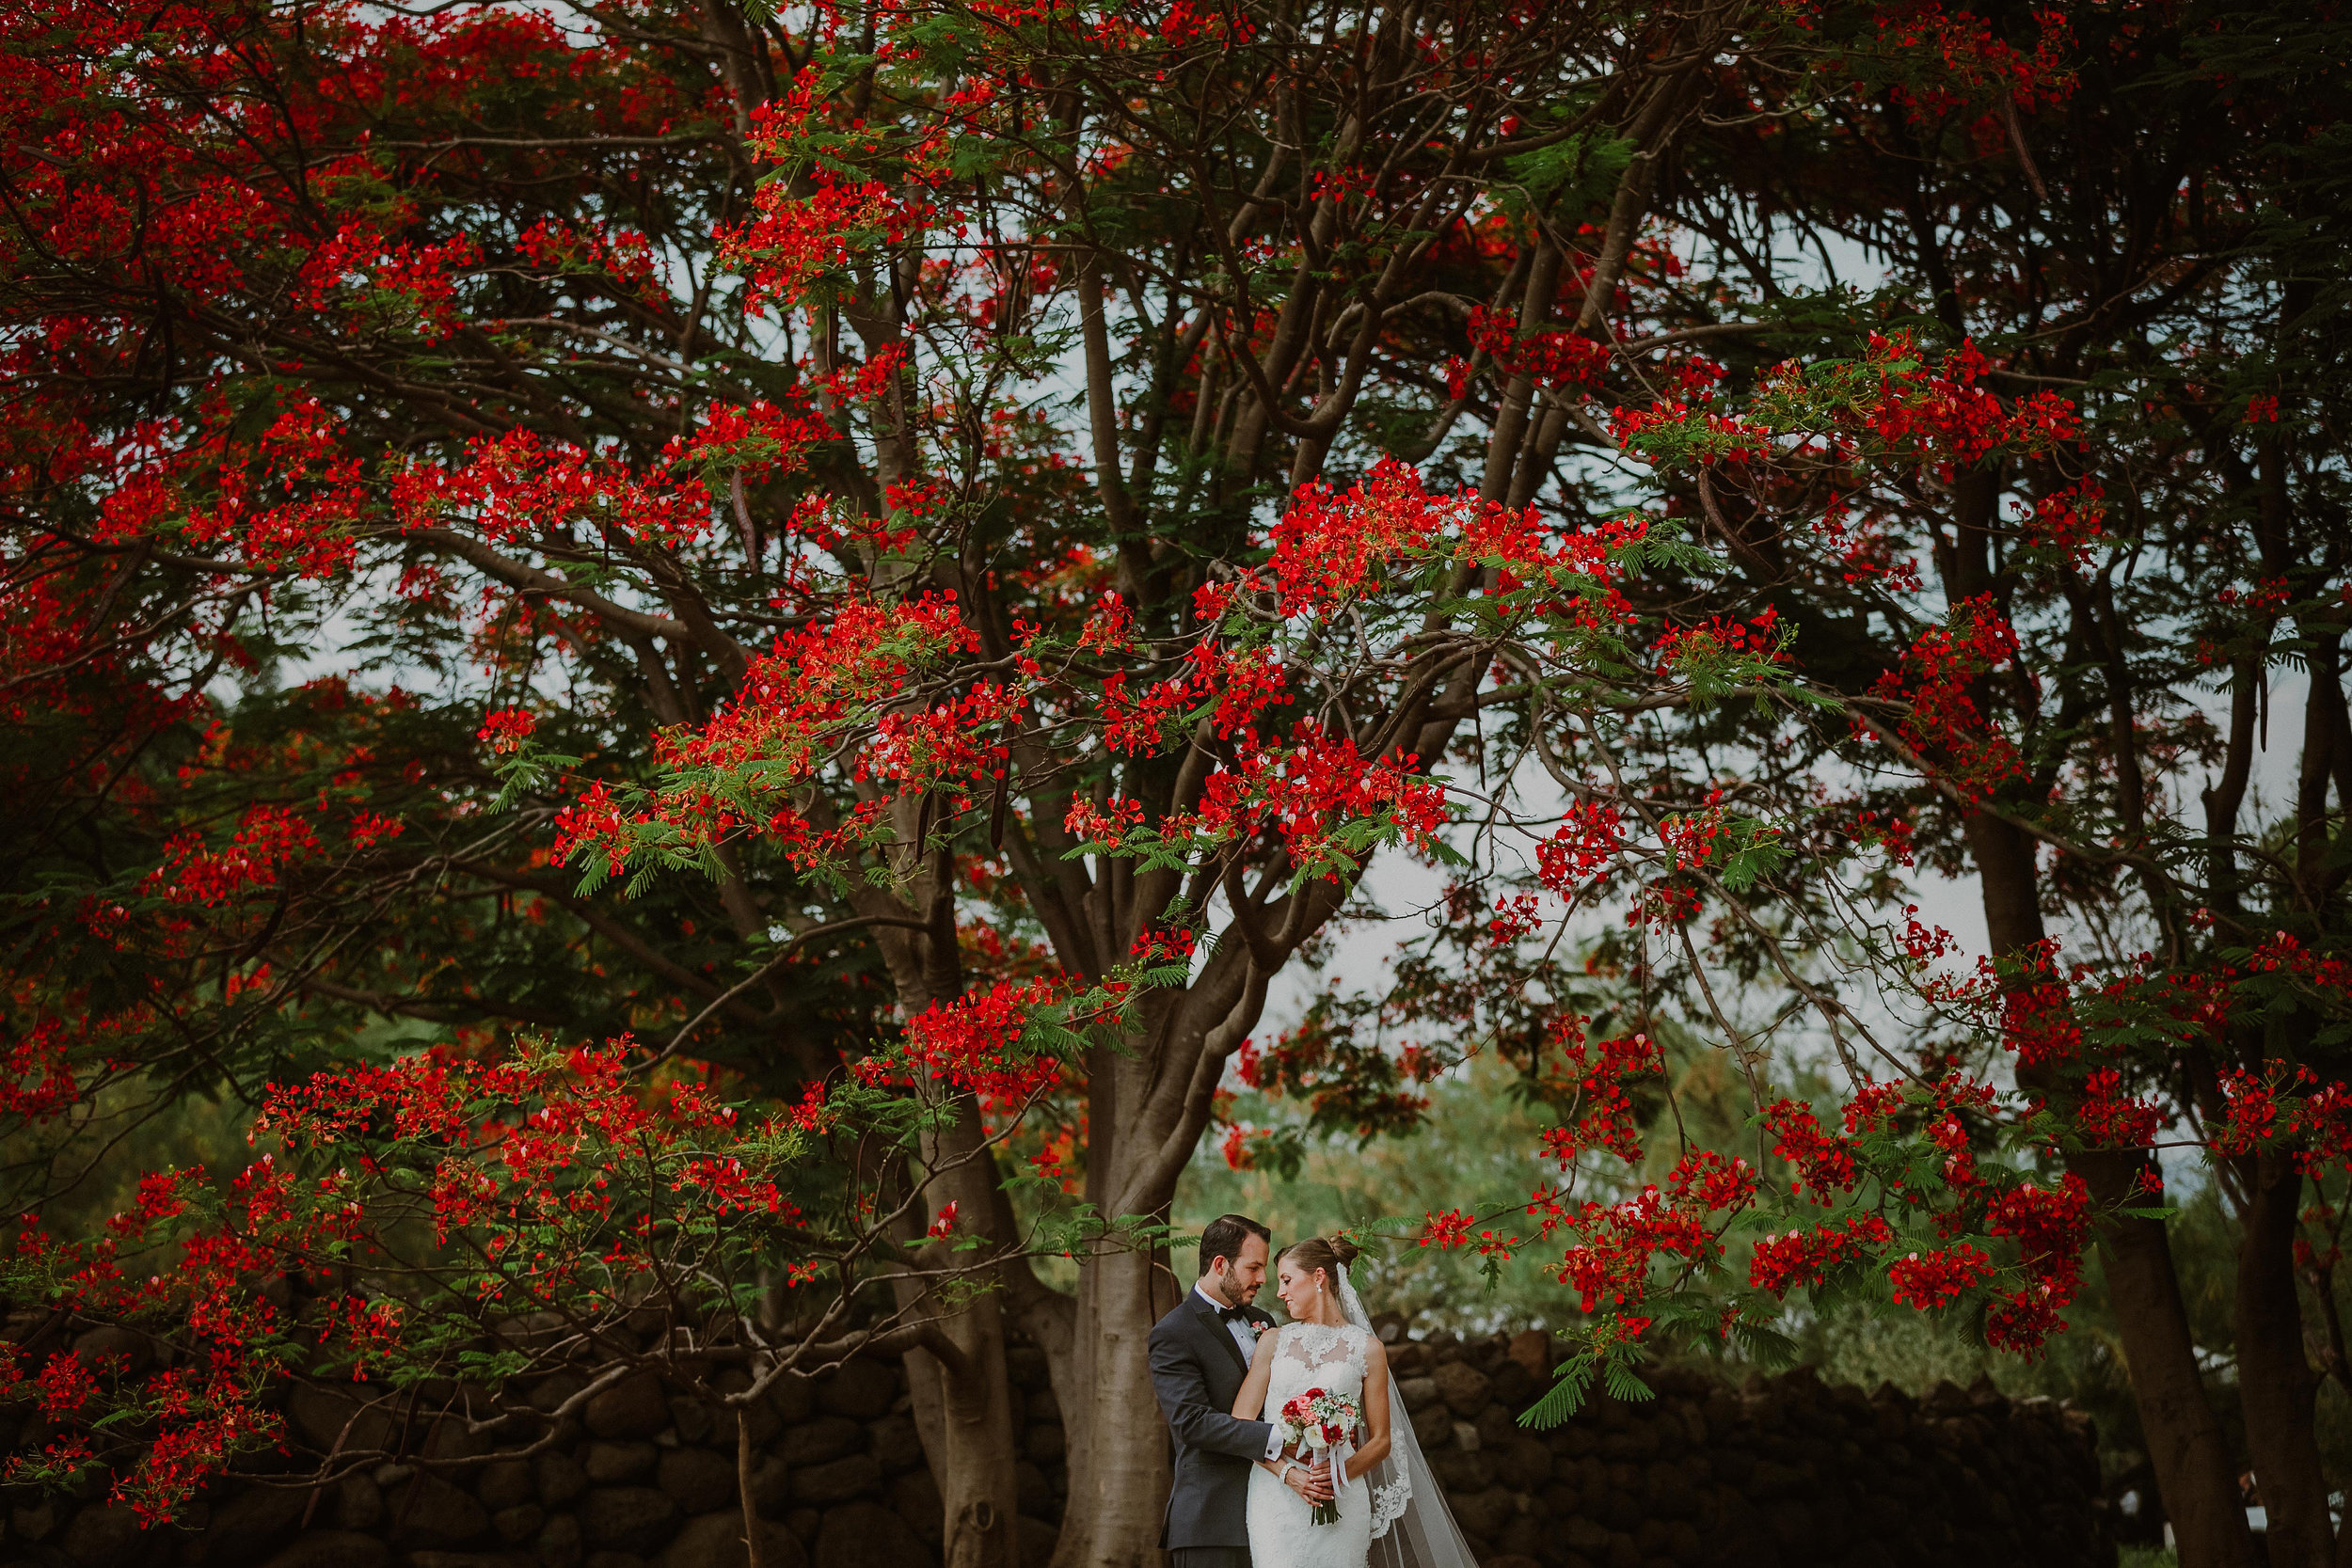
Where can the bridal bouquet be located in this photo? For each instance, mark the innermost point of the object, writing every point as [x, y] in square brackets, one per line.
[1322, 1420]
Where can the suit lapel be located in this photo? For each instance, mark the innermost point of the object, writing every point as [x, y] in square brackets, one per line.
[1218, 1331]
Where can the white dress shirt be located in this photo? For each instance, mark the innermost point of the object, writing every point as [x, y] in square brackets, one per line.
[1248, 1344]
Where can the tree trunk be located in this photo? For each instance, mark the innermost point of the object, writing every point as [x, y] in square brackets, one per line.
[2277, 1387]
[752, 1558]
[2184, 1441]
[1144, 1119]
[2194, 1472]
[2192, 1462]
[1116, 1522]
[964, 1415]
[1119, 1494]
[962, 1406]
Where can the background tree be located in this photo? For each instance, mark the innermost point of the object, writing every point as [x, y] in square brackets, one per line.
[2147, 254]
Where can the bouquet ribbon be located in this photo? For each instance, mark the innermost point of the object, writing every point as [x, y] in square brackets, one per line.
[1337, 1454]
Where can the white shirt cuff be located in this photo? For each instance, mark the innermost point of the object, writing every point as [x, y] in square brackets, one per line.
[1273, 1444]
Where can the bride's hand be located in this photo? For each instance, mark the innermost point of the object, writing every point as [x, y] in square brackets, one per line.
[1313, 1483]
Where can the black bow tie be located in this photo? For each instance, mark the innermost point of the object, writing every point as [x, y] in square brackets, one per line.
[1233, 1314]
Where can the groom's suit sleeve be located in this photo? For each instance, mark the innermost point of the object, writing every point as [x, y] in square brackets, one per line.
[1192, 1416]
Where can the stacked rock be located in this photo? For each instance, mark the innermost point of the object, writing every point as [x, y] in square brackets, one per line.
[1779, 1473]
[1782, 1472]
[645, 1479]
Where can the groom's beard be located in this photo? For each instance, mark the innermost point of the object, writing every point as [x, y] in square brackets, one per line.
[1230, 1291]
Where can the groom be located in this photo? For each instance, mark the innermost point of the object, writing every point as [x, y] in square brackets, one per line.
[1199, 1354]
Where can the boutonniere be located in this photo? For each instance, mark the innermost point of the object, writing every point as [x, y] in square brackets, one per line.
[1253, 1328]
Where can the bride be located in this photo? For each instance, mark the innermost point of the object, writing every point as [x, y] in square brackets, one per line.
[1392, 1514]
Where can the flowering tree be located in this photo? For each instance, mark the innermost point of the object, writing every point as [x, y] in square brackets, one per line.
[2048, 571]
[2074, 714]
[975, 526]
[449, 1222]
[763, 555]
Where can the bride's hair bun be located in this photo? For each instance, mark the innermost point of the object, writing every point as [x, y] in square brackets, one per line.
[1328, 1252]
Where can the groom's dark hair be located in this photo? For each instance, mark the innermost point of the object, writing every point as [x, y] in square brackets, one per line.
[1222, 1237]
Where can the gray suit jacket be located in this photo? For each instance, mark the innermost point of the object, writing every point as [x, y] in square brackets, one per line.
[1196, 1371]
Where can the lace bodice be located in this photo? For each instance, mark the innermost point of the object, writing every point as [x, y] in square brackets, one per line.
[1318, 1355]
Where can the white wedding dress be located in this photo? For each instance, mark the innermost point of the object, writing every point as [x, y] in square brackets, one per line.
[1312, 1355]
[1393, 1516]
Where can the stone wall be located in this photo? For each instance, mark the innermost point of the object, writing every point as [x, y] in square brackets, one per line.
[1782, 1473]
[647, 1480]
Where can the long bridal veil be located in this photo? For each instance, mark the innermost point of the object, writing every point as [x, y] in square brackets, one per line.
[1411, 1526]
